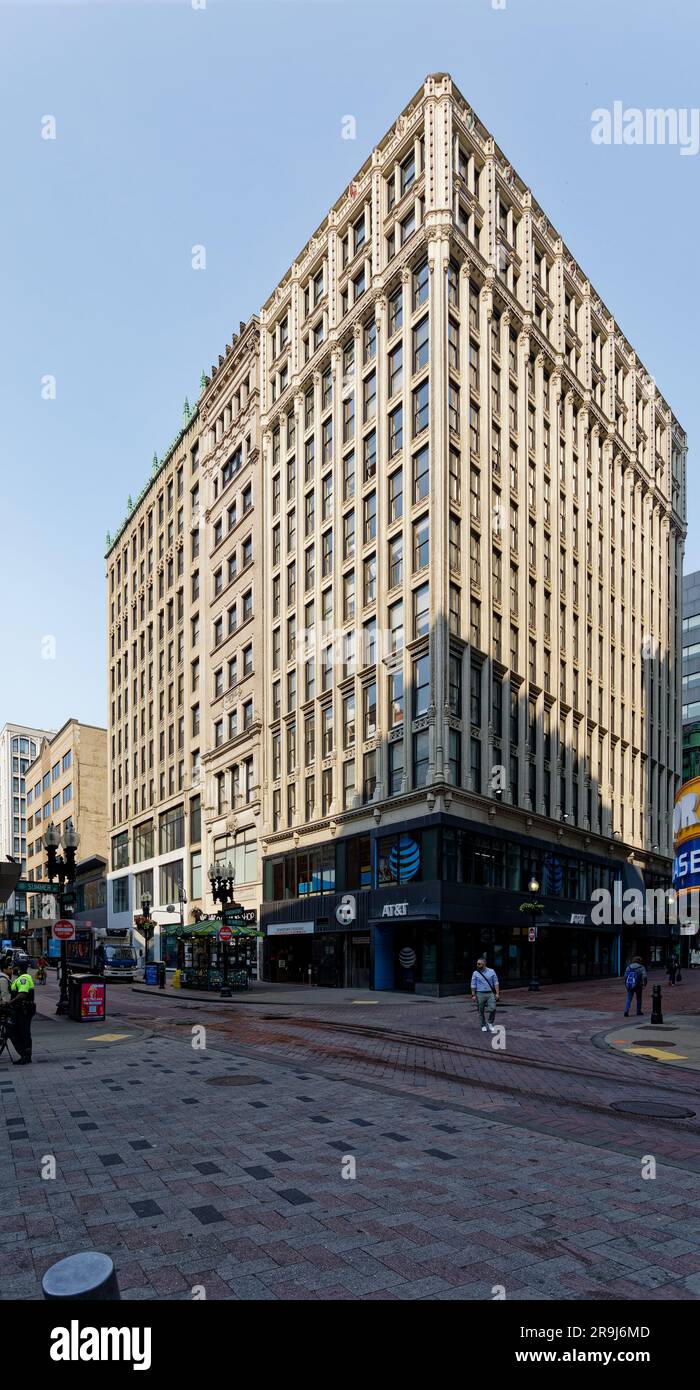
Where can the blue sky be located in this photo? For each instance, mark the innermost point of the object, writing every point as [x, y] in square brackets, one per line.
[178, 126]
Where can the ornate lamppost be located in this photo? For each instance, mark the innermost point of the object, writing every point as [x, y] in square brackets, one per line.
[533, 908]
[147, 926]
[222, 879]
[61, 867]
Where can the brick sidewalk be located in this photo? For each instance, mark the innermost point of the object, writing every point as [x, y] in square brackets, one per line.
[238, 1186]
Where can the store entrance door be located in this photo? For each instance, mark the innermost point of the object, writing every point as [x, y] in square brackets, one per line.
[358, 962]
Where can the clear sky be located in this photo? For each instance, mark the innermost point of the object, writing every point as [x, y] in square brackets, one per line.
[221, 126]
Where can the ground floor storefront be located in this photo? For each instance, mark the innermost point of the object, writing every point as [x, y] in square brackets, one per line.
[419, 939]
[414, 907]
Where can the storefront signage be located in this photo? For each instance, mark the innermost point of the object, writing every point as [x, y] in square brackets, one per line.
[578, 919]
[395, 910]
[346, 911]
[686, 820]
[291, 929]
[686, 866]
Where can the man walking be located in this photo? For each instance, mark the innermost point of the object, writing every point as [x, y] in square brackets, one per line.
[635, 980]
[485, 994]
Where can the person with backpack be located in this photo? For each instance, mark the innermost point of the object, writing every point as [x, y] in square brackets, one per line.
[635, 980]
[485, 994]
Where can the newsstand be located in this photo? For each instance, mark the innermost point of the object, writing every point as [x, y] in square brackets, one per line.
[87, 998]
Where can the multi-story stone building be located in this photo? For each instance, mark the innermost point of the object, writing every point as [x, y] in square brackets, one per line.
[154, 587]
[18, 748]
[473, 504]
[232, 678]
[184, 680]
[66, 788]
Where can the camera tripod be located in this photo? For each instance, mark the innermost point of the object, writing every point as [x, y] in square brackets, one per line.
[5, 1041]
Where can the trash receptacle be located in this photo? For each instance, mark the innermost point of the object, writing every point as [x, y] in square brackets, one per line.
[87, 998]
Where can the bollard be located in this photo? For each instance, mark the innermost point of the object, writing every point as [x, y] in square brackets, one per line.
[161, 975]
[656, 1014]
[89, 1276]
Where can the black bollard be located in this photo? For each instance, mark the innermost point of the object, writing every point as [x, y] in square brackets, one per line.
[161, 975]
[656, 1014]
[88, 1275]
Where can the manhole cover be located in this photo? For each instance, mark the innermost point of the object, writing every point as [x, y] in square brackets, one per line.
[652, 1107]
[662, 1042]
[234, 1081]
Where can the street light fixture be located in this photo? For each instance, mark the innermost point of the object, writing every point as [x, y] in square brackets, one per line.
[533, 888]
[222, 878]
[62, 867]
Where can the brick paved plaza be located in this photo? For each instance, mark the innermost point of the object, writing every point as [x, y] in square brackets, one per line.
[221, 1169]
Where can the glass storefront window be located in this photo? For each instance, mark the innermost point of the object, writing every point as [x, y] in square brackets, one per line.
[399, 858]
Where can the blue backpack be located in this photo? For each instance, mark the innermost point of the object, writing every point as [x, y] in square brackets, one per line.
[632, 977]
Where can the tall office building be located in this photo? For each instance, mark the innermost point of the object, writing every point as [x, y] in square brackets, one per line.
[184, 682]
[691, 675]
[474, 500]
[66, 788]
[18, 748]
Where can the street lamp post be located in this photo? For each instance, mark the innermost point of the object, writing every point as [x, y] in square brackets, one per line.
[146, 926]
[61, 867]
[534, 888]
[222, 879]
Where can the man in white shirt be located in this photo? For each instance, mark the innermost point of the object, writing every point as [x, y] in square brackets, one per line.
[485, 993]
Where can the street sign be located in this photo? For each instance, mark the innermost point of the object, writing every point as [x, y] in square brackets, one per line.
[24, 885]
[532, 933]
[225, 933]
[233, 916]
[64, 930]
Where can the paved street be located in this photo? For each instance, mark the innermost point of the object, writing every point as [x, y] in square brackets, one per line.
[220, 1169]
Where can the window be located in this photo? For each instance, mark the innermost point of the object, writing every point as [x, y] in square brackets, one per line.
[396, 495]
[349, 721]
[421, 611]
[421, 474]
[396, 698]
[421, 283]
[420, 345]
[369, 710]
[420, 758]
[348, 477]
[120, 894]
[369, 396]
[395, 370]
[395, 431]
[143, 842]
[421, 686]
[421, 408]
[395, 561]
[395, 312]
[172, 829]
[370, 456]
[196, 875]
[171, 881]
[348, 784]
[120, 850]
[370, 517]
[396, 768]
[421, 543]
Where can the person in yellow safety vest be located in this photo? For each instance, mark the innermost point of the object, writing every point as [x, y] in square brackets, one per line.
[23, 1011]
